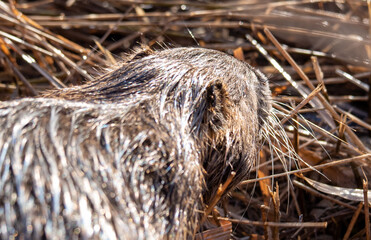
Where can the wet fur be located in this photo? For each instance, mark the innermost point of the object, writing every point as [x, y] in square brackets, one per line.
[136, 153]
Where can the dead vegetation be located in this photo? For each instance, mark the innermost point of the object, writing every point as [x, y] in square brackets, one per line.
[315, 53]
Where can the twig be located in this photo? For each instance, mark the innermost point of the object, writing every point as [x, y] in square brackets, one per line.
[353, 118]
[366, 208]
[353, 80]
[17, 73]
[309, 169]
[353, 221]
[333, 113]
[319, 76]
[303, 103]
[279, 225]
[276, 203]
[52, 79]
[318, 194]
[217, 196]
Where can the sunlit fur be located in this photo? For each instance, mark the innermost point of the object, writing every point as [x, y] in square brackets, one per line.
[134, 154]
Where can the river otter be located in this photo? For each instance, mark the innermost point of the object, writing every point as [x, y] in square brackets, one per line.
[136, 153]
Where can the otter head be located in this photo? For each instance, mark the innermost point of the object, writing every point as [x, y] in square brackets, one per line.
[226, 103]
[236, 102]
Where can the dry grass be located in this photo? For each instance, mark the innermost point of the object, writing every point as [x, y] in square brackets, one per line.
[316, 54]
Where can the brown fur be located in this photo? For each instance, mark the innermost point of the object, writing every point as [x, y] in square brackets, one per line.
[170, 125]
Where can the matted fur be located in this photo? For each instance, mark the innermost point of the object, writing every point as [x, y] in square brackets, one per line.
[136, 153]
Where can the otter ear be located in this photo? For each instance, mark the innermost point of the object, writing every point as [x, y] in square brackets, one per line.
[218, 107]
